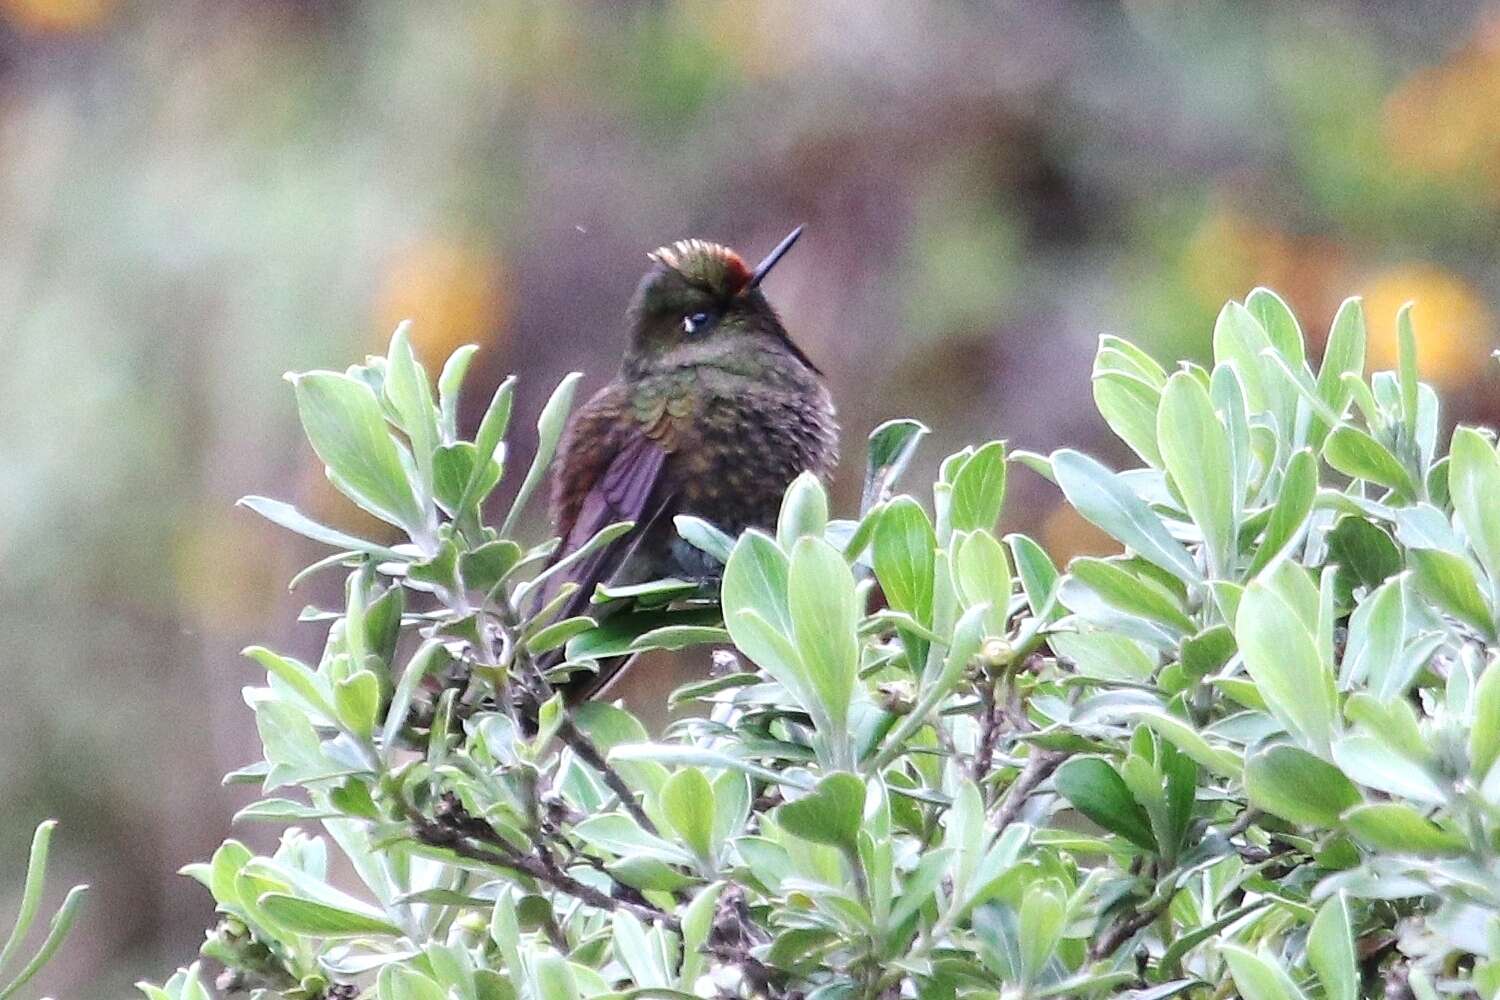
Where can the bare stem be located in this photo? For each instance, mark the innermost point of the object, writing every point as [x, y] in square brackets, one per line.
[1039, 767]
[1125, 928]
[538, 691]
[466, 838]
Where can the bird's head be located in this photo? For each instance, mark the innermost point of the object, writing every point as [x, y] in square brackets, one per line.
[700, 303]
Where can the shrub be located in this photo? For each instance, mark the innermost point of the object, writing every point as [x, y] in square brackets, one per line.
[1253, 754]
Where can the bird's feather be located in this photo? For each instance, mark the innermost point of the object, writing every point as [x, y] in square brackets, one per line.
[627, 489]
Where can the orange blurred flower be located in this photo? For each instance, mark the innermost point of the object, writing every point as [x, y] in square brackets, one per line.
[1232, 252]
[41, 16]
[1440, 121]
[1066, 534]
[451, 289]
[1454, 327]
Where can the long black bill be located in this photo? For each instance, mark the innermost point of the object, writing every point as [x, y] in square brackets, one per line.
[764, 267]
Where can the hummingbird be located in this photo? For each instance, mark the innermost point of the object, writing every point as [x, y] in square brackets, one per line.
[714, 412]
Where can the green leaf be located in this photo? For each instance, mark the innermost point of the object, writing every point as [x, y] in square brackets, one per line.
[453, 466]
[1449, 581]
[649, 874]
[1397, 828]
[298, 676]
[287, 516]
[1365, 550]
[697, 924]
[687, 801]
[411, 397]
[31, 891]
[1344, 355]
[820, 591]
[1299, 487]
[1043, 914]
[1104, 499]
[487, 441]
[1132, 592]
[554, 978]
[804, 511]
[450, 386]
[57, 932]
[483, 568]
[1208, 651]
[1258, 978]
[904, 546]
[1394, 719]
[1194, 447]
[224, 867]
[679, 637]
[281, 811]
[1330, 950]
[1096, 790]
[981, 575]
[558, 633]
[1104, 655]
[1377, 633]
[1406, 353]
[1276, 318]
[422, 662]
[597, 541]
[1129, 405]
[1039, 578]
[919, 886]
[1484, 736]
[937, 684]
[347, 429]
[979, 490]
[830, 814]
[1358, 455]
[633, 950]
[620, 633]
[398, 982]
[1240, 341]
[549, 431]
[891, 446]
[1474, 485]
[1118, 355]
[755, 579]
[1371, 761]
[1282, 658]
[357, 698]
[296, 915]
[703, 536]
[619, 834]
[1185, 738]
[1300, 788]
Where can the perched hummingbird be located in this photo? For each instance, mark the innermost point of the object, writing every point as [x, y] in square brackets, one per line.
[715, 411]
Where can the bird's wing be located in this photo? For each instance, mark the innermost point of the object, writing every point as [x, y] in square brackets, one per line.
[625, 491]
[624, 486]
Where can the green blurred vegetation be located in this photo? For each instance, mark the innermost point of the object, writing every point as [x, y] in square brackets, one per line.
[197, 196]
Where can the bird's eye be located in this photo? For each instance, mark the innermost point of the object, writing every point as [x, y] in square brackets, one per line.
[697, 322]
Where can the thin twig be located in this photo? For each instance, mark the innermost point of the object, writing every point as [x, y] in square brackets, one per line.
[1039, 767]
[1242, 822]
[586, 751]
[538, 691]
[494, 851]
[989, 734]
[1126, 928]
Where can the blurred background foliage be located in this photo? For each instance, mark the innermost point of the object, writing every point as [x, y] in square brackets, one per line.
[198, 196]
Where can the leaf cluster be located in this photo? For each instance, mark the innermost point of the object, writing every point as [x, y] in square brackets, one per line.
[1252, 754]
